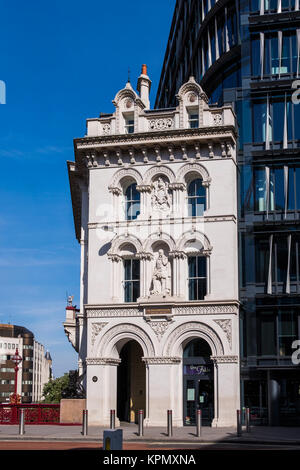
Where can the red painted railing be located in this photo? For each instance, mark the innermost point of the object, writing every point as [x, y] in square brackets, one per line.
[34, 413]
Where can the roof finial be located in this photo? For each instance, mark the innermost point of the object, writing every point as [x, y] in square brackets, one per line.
[128, 81]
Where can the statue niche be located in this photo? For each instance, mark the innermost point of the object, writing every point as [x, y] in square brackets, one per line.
[161, 276]
[160, 196]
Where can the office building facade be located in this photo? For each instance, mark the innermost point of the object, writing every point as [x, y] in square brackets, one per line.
[246, 53]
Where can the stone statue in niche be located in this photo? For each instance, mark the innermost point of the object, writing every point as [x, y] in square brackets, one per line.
[160, 277]
[160, 195]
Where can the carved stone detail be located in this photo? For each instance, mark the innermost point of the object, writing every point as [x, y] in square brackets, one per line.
[226, 325]
[224, 359]
[159, 327]
[161, 124]
[106, 129]
[96, 328]
[217, 119]
[102, 361]
[162, 360]
[114, 312]
[205, 309]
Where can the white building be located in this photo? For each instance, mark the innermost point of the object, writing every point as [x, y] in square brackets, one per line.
[155, 211]
[42, 370]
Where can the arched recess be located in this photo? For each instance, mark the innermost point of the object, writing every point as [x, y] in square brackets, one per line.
[184, 333]
[117, 336]
[122, 178]
[193, 242]
[125, 243]
[190, 171]
[156, 238]
[156, 171]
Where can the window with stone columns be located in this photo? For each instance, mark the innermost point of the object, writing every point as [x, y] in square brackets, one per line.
[194, 267]
[194, 189]
[126, 195]
[125, 271]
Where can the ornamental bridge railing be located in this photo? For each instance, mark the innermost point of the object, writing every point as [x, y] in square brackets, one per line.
[33, 413]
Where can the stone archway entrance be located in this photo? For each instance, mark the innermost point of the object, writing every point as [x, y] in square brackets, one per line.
[198, 382]
[131, 383]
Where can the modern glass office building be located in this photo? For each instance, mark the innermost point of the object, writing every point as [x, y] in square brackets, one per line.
[247, 53]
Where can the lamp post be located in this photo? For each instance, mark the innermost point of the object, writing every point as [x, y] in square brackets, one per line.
[16, 358]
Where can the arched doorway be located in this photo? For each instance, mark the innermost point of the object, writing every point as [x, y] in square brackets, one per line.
[131, 383]
[198, 382]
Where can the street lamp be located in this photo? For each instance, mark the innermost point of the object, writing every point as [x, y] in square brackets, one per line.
[16, 358]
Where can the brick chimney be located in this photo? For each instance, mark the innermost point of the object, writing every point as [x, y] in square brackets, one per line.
[144, 86]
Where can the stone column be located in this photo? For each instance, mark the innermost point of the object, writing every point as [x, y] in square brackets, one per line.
[116, 275]
[101, 390]
[177, 189]
[144, 190]
[145, 259]
[226, 389]
[163, 379]
[178, 272]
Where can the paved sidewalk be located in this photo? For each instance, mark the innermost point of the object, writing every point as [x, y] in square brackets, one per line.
[268, 435]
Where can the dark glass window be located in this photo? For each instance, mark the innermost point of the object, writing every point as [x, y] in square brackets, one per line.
[259, 108]
[197, 277]
[260, 189]
[281, 258]
[262, 254]
[287, 331]
[196, 198]
[277, 198]
[132, 202]
[296, 121]
[267, 334]
[254, 5]
[277, 119]
[131, 280]
[197, 348]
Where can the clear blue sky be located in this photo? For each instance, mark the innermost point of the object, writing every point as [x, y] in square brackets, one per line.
[62, 62]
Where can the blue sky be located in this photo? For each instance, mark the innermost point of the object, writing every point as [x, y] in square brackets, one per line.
[62, 62]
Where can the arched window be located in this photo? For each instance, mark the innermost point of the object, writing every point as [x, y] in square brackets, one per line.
[132, 202]
[196, 198]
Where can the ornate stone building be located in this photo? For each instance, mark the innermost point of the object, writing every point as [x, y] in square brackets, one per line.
[155, 211]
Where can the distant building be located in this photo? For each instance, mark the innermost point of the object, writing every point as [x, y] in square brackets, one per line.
[35, 369]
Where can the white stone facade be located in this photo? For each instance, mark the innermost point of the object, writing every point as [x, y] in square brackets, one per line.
[161, 153]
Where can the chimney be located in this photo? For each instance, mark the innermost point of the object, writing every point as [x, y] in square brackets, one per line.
[144, 86]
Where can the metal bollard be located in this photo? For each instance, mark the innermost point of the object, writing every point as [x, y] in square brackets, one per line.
[198, 422]
[238, 423]
[170, 425]
[21, 423]
[112, 419]
[141, 423]
[84, 422]
[247, 419]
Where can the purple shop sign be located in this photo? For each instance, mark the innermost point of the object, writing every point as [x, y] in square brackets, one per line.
[195, 369]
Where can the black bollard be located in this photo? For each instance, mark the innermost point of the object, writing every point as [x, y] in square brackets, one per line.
[170, 424]
[199, 422]
[141, 423]
[84, 422]
[112, 419]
